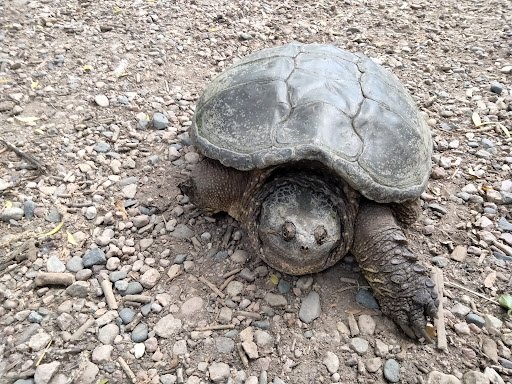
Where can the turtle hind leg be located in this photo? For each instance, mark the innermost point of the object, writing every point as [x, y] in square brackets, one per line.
[214, 188]
[399, 283]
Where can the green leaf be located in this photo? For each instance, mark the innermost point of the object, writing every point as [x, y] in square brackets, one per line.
[505, 301]
[274, 279]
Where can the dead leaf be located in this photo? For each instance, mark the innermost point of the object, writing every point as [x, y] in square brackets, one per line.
[71, 239]
[120, 207]
[54, 230]
[431, 331]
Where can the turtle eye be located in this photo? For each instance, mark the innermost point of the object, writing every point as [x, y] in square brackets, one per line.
[288, 229]
[320, 234]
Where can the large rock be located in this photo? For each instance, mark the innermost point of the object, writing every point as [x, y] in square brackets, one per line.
[310, 307]
[219, 372]
[167, 326]
[435, 377]
[45, 372]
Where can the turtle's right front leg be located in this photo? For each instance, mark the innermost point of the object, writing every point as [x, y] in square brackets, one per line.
[399, 283]
[214, 188]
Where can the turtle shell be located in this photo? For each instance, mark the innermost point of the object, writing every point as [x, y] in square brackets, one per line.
[316, 102]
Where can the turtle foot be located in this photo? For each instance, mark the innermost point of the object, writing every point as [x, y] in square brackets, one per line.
[400, 284]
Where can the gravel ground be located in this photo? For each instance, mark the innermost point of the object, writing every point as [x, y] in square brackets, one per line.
[138, 286]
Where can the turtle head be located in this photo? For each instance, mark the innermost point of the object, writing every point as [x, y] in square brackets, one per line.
[299, 228]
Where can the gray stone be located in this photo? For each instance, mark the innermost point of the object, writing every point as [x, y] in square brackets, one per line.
[225, 315]
[496, 87]
[246, 274]
[88, 375]
[459, 253]
[39, 341]
[251, 349]
[127, 315]
[366, 325]
[12, 213]
[53, 215]
[129, 180]
[117, 275]
[192, 306]
[101, 100]
[224, 344]
[160, 121]
[35, 317]
[129, 191]
[168, 379]
[440, 261]
[460, 310]
[366, 299]
[142, 124]
[90, 212]
[45, 372]
[262, 324]
[65, 321]
[219, 372]
[150, 278]
[493, 376]
[140, 221]
[332, 362]
[28, 209]
[167, 326]
[101, 354]
[475, 377]
[310, 307]
[83, 275]
[181, 231]
[473, 318]
[140, 333]
[234, 288]
[283, 286]
[505, 363]
[134, 288]
[392, 371]
[436, 377]
[180, 348]
[94, 256]
[180, 259]
[262, 338]
[492, 322]
[373, 365]
[358, 345]
[108, 333]
[78, 289]
[504, 224]
[275, 300]
[53, 264]
[75, 264]
[102, 147]
[490, 348]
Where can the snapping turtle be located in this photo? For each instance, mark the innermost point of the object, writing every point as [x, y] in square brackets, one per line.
[318, 152]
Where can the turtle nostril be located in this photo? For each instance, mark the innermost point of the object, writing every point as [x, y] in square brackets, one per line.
[304, 247]
[320, 234]
[288, 229]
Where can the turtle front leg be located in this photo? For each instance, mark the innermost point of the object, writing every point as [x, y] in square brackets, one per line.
[399, 283]
[214, 188]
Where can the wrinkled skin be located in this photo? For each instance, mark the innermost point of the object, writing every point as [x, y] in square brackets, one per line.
[277, 208]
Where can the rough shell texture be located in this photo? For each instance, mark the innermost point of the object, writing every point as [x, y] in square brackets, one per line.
[317, 102]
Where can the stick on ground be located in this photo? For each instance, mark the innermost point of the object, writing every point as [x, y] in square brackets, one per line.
[437, 276]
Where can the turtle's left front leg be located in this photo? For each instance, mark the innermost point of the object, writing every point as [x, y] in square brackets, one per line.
[399, 283]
